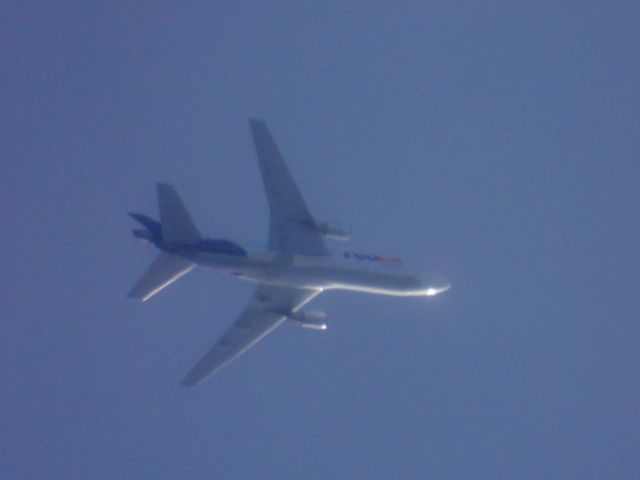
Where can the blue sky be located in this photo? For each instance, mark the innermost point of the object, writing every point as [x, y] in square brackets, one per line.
[494, 143]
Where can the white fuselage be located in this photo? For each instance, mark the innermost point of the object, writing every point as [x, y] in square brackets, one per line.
[356, 272]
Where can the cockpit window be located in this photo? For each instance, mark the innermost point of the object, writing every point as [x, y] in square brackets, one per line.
[224, 247]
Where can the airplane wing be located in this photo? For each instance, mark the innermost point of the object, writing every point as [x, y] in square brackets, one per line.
[291, 228]
[267, 309]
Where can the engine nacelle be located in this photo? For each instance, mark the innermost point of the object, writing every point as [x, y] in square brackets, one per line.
[314, 319]
[336, 231]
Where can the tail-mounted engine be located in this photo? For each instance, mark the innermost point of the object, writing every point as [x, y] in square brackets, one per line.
[152, 232]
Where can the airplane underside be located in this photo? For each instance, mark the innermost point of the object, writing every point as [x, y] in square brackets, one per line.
[297, 267]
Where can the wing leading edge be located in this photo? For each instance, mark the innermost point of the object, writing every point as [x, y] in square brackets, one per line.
[267, 309]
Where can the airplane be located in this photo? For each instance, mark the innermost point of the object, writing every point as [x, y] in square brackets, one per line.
[296, 267]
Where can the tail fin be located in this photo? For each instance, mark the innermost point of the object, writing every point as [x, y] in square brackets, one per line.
[175, 228]
[177, 225]
[164, 270]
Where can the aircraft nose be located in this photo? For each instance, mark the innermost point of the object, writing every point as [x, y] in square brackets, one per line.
[431, 285]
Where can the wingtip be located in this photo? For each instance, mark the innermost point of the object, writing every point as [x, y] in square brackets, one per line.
[134, 296]
[196, 376]
[163, 185]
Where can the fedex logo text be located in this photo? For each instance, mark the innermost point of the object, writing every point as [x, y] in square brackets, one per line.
[373, 258]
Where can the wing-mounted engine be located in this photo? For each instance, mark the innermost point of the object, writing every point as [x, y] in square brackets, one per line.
[334, 230]
[313, 319]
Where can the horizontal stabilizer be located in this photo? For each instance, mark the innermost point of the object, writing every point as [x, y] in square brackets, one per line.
[164, 270]
[177, 225]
